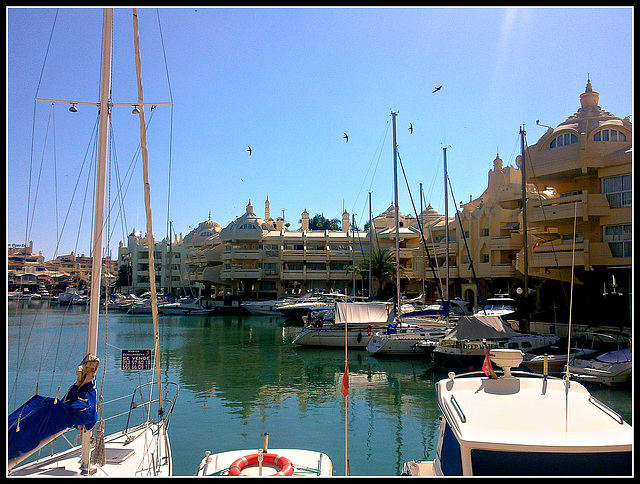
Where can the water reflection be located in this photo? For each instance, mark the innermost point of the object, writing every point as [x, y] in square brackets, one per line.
[242, 376]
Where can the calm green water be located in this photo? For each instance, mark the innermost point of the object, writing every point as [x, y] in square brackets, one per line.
[240, 377]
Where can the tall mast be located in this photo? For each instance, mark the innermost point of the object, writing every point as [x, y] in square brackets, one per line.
[446, 227]
[96, 264]
[147, 203]
[370, 247]
[524, 230]
[397, 216]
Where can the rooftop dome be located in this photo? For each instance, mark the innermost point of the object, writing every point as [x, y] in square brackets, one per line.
[246, 227]
[203, 234]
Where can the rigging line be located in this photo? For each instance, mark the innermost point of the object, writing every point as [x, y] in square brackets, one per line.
[378, 150]
[33, 125]
[37, 187]
[166, 67]
[424, 242]
[128, 174]
[73, 195]
[544, 215]
[473, 271]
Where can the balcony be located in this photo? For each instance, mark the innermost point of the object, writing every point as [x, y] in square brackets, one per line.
[242, 254]
[509, 242]
[241, 273]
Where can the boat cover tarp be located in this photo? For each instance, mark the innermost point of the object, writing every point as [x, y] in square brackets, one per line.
[42, 417]
[369, 312]
[480, 327]
[618, 356]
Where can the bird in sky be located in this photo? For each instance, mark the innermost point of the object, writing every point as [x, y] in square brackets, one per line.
[411, 128]
[346, 136]
[249, 150]
[437, 89]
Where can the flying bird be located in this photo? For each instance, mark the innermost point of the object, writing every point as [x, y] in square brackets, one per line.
[249, 150]
[346, 136]
[410, 128]
[437, 89]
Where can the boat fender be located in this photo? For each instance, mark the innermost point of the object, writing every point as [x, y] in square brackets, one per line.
[369, 330]
[359, 338]
[286, 467]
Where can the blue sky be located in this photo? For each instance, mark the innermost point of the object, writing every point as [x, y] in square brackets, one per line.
[288, 82]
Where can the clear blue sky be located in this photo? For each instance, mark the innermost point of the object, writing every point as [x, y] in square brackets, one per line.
[289, 82]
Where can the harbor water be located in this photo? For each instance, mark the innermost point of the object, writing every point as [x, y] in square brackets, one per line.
[241, 376]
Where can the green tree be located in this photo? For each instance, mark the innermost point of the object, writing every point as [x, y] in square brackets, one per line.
[383, 270]
[319, 222]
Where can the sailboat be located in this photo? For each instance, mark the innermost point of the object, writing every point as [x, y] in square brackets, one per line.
[142, 448]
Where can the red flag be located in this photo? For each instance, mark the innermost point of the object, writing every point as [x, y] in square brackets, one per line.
[487, 367]
[345, 380]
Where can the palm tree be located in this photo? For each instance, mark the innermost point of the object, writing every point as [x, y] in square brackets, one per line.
[383, 269]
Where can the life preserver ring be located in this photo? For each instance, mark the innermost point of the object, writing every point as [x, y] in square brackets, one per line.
[286, 467]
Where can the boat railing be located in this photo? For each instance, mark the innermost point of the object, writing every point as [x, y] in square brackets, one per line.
[612, 413]
[145, 404]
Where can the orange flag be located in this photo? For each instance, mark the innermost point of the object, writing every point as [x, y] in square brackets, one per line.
[345, 380]
[487, 367]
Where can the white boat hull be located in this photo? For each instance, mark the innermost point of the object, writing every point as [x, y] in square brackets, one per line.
[333, 336]
[401, 343]
[144, 451]
[305, 463]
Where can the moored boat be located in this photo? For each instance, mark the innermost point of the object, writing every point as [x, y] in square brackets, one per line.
[358, 320]
[266, 462]
[524, 425]
[464, 345]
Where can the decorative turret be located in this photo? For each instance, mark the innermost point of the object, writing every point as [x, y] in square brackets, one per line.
[589, 97]
[304, 223]
[345, 221]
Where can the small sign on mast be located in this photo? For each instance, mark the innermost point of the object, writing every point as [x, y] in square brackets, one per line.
[136, 360]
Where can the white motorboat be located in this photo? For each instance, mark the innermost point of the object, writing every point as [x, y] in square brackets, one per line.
[68, 296]
[499, 305]
[275, 462]
[268, 307]
[361, 321]
[524, 425]
[464, 345]
[300, 307]
[190, 307]
[552, 359]
[403, 339]
[611, 368]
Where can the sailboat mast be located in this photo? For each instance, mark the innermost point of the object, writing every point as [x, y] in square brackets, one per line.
[147, 203]
[446, 227]
[397, 216]
[96, 264]
[524, 231]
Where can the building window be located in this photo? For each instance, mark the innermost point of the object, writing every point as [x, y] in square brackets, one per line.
[484, 232]
[564, 140]
[618, 190]
[609, 135]
[247, 226]
[619, 239]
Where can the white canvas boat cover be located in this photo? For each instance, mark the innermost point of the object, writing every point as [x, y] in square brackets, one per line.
[479, 327]
[367, 312]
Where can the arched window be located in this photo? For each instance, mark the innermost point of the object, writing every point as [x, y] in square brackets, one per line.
[563, 140]
[609, 135]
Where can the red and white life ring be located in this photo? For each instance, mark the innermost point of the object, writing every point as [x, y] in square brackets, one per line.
[286, 467]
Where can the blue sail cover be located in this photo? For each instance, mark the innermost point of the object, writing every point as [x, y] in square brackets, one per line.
[42, 417]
